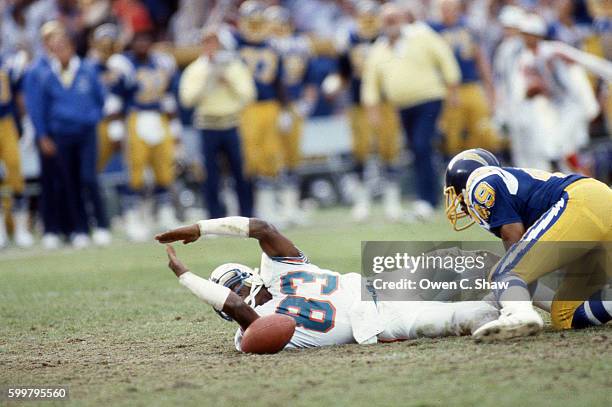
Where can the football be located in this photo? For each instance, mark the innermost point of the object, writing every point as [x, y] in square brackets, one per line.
[268, 334]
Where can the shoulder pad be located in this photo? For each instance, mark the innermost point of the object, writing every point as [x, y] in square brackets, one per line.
[228, 38]
[509, 180]
[342, 40]
[165, 61]
[18, 64]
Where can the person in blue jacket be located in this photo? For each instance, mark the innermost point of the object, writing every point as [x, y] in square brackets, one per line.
[65, 100]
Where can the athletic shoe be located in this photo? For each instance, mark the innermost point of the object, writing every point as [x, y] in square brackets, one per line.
[80, 241]
[102, 237]
[51, 241]
[514, 321]
[23, 238]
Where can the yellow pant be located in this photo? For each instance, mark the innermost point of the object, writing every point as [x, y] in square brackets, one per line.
[10, 155]
[261, 139]
[366, 139]
[105, 145]
[472, 116]
[140, 155]
[608, 108]
[583, 220]
[290, 143]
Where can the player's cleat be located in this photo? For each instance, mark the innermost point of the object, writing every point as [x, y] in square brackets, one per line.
[101, 237]
[422, 210]
[513, 322]
[265, 204]
[361, 203]
[80, 241]
[23, 238]
[51, 241]
[135, 228]
[166, 217]
[290, 202]
[3, 239]
[392, 202]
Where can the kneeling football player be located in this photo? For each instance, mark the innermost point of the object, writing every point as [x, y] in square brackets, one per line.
[327, 306]
[547, 222]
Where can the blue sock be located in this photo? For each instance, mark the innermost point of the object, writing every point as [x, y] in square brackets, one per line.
[592, 312]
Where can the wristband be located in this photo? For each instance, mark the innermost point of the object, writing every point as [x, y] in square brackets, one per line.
[211, 293]
[230, 226]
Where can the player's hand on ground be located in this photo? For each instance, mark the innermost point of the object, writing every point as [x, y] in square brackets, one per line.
[186, 234]
[174, 263]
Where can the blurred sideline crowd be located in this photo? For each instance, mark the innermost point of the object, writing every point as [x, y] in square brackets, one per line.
[130, 114]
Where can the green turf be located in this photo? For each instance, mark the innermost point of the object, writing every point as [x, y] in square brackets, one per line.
[114, 325]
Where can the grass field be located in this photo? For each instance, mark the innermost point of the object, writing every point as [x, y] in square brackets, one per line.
[114, 325]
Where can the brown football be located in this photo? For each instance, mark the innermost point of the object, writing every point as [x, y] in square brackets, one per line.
[268, 334]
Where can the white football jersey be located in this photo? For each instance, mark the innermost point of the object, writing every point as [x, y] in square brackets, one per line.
[319, 300]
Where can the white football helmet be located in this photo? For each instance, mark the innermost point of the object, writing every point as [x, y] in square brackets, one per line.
[235, 276]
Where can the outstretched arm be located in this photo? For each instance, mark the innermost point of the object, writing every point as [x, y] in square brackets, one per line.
[272, 242]
[219, 297]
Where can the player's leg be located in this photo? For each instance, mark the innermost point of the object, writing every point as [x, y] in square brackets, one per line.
[48, 202]
[233, 150]
[480, 130]
[211, 143]
[290, 144]
[583, 299]
[162, 162]
[269, 160]
[68, 183]
[248, 134]
[10, 156]
[137, 157]
[566, 233]
[415, 319]
[453, 124]
[3, 235]
[91, 189]
[105, 146]
[420, 123]
[388, 141]
[360, 133]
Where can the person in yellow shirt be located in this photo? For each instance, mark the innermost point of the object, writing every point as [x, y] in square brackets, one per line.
[414, 69]
[218, 86]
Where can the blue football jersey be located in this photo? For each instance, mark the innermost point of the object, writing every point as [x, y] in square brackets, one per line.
[111, 79]
[498, 196]
[149, 82]
[461, 40]
[295, 55]
[265, 65]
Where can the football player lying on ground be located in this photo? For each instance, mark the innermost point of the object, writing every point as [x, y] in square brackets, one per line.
[327, 306]
[547, 222]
